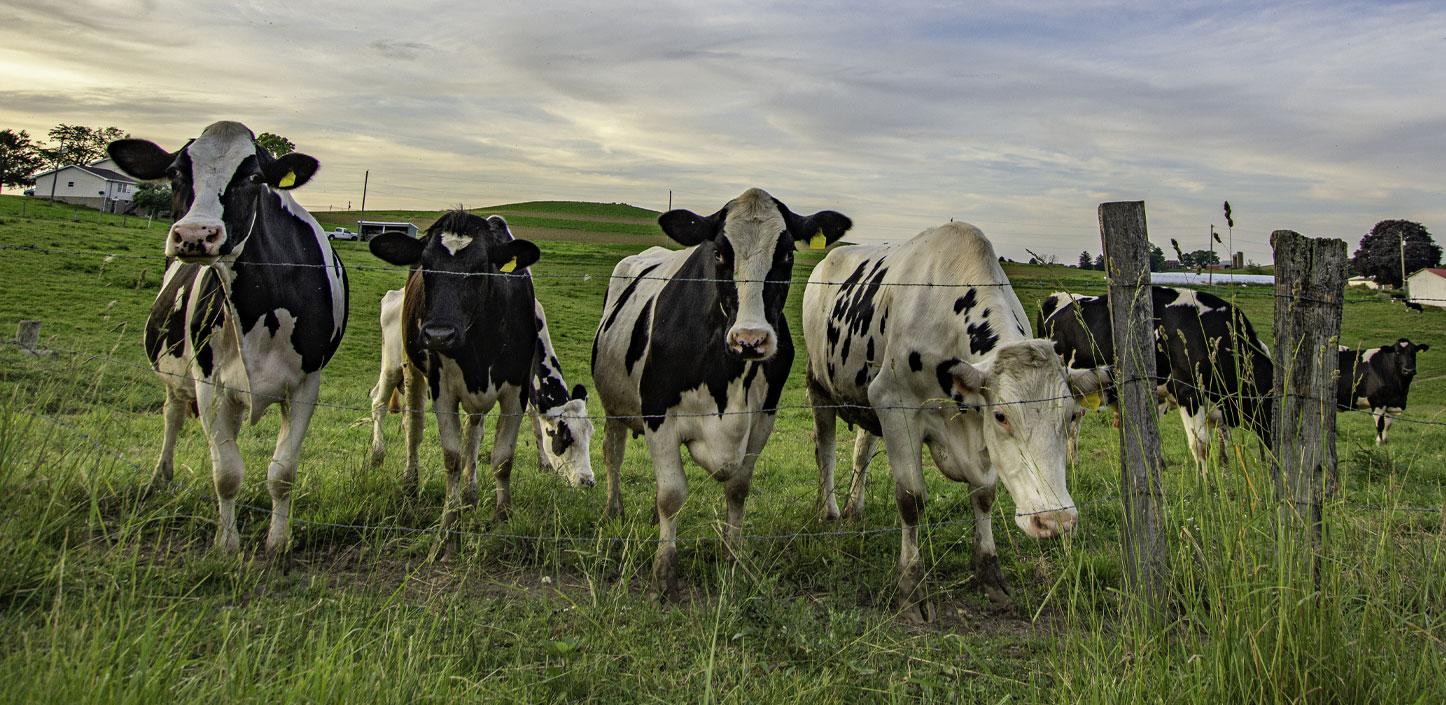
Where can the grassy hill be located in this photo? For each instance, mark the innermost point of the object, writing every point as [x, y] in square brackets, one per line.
[107, 595]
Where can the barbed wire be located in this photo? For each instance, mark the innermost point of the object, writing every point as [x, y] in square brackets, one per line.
[1239, 289]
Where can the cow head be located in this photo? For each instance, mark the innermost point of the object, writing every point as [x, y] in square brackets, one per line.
[217, 181]
[749, 248]
[1027, 401]
[567, 436]
[459, 258]
[1403, 357]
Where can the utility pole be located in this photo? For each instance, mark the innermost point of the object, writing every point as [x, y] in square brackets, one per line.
[55, 177]
[1401, 235]
[670, 199]
[1210, 273]
[366, 178]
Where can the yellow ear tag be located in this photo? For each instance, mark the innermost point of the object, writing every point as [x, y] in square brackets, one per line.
[287, 181]
[511, 265]
[818, 241]
[1092, 400]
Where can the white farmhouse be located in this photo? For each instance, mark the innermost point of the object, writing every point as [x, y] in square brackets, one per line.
[1427, 287]
[96, 186]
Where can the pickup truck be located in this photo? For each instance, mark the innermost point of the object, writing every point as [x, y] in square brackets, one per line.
[341, 234]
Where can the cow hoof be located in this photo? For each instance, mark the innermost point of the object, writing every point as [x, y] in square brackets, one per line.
[410, 487]
[613, 511]
[377, 457]
[991, 578]
[665, 576]
[501, 513]
[228, 542]
[829, 513]
[852, 512]
[916, 612]
[469, 497]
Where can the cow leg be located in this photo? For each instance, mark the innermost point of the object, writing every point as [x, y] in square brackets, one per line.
[449, 433]
[504, 448]
[413, 422]
[615, 439]
[824, 436]
[476, 423]
[1197, 435]
[221, 415]
[672, 492]
[864, 443]
[281, 475]
[175, 416]
[986, 557]
[906, 461]
[1384, 418]
[736, 489]
[387, 383]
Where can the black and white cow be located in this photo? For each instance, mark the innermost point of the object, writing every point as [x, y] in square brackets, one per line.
[1378, 379]
[560, 419]
[469, 335]
[253, 305]
[693, 350]
[955, 369]
[1208, 359]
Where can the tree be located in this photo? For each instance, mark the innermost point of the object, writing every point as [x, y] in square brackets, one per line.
[1199, 258]
[1099, 262]
[78, 144]
[1381, 252]
[1085, 261]
[275, 144]
[153, 200]
[19, 159]
[1157, 259]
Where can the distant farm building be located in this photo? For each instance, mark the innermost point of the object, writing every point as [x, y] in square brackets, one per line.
[1363, 282]
[368, 229]
[96, 186]
[1427, 287]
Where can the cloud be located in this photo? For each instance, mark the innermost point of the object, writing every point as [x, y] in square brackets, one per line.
[1021, 118]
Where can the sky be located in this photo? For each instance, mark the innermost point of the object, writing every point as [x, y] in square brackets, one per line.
[1020, 117]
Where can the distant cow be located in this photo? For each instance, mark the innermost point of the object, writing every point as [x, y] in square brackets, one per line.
[470, 335]
[693, 350]
[560, 419]
[950, 365]
[1378, 379]
[252, 306]
[1208, 359]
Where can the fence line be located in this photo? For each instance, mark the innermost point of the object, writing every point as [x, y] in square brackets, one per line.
[1241, 292]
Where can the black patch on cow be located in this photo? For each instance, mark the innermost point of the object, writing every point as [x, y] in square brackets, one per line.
[271, 322]
[869, 351]
[862, 378]
[623, 297]
[968, 301]
[561, 439]
[982, 337]
[945, 377]
[166, 327]
[916, 361]
[854, 306]
[638, 341]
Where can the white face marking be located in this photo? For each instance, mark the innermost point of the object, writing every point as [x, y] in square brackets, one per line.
[753, 227]
[215, 155]
[455, 243]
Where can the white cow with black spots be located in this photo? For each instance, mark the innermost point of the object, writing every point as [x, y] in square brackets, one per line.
[925, 344]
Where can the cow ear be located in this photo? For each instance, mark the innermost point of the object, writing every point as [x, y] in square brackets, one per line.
[1387, 349]
[970, 379]
[1423, 348]
[397, 248]
[1083, 383]
[688, 228]
[290, 171]
[514, 255]
[819, 230]
[141, 159]
[579, 392]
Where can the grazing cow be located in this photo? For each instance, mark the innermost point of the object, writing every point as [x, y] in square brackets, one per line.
[1378, 379]
[560, 420]
[693, 350]
[962, 375]
[470, 335]
[252, 306]
[1208, 359]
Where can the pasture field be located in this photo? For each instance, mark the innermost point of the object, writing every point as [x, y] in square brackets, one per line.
[111, 596]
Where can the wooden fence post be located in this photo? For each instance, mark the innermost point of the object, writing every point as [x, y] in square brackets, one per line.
[1127, 260]
[27, 336]
[1310, 281]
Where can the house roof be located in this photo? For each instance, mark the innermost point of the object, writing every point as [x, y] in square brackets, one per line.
[106, 174]
[1438, 271]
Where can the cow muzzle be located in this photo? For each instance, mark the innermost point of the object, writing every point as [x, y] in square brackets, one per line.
[752, 343]
[196, 241]
[441, 337]
[1048, 525]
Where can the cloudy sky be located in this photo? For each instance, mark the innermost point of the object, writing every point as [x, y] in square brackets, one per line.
[1020, 118]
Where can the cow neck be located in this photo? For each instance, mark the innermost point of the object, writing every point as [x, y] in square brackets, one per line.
[225, 272]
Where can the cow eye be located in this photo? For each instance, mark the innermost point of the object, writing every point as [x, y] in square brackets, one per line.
[718, 255]
[172, 172]
[254, 178]
[1001, 418]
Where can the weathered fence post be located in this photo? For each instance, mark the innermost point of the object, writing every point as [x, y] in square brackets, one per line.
[27, 336]
[1310, 281]
[1127, 260]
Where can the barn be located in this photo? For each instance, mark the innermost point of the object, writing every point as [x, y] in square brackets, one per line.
[92, 185]
[368, 229]
[1427, 287]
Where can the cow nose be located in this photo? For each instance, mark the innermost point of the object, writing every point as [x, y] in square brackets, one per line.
[751, 343]
[196, 239]
[1052, 524]
[586, 481]
[440, 336]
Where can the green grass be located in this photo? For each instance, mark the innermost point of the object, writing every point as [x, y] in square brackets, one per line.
[110, 596]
